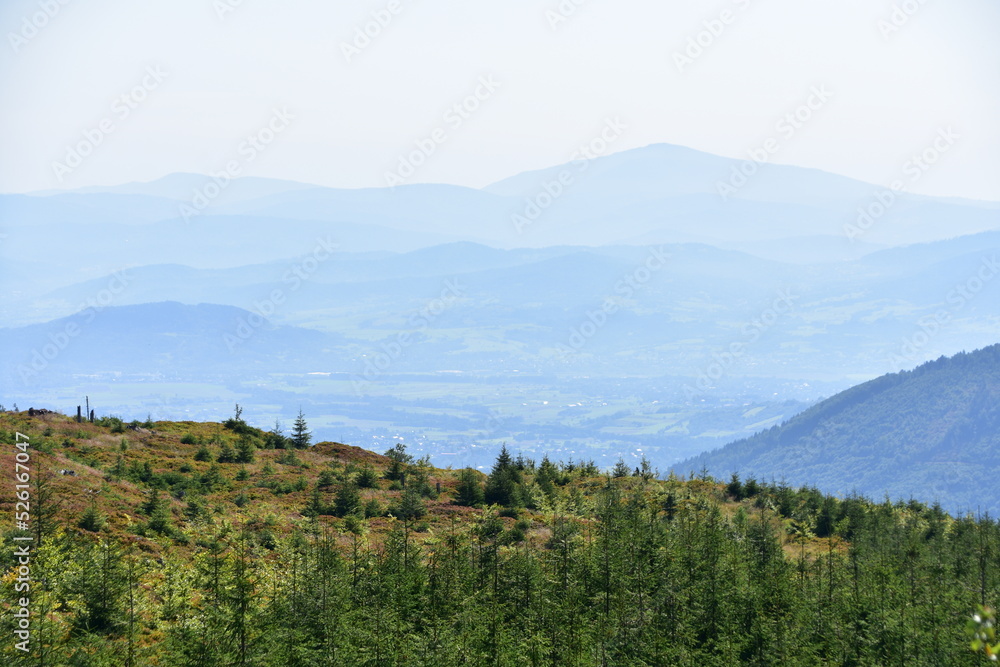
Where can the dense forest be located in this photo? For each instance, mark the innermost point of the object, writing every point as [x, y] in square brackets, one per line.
[176, 543]
[931, 433]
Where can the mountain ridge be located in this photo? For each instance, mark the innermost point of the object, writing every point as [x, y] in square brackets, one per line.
[932, 433]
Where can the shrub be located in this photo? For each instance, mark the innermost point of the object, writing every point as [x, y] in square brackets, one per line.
[92, 520]
[367, 477]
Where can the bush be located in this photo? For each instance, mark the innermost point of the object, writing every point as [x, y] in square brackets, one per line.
[114, 423]
[289, 458]
[347, 501]
[410, 507]
[92, 520]
[367, 478]
[373, 508]
[245, 450]
[188, 439]
[470, 488]
[226, 454]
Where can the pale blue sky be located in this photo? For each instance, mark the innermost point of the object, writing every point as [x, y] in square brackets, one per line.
[225, 76]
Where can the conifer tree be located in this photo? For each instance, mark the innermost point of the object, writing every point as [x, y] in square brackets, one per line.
[470, 488]
[301, 436]
[503, 483]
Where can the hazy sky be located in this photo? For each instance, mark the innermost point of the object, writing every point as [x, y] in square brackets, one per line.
[201, 76]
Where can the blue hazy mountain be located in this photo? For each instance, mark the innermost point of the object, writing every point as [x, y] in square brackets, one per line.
[848, 320]
[167, 340]
[656, 194]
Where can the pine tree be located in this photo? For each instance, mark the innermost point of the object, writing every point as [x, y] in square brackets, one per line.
[244, 450]
[348, 499]
[92, 519]
[410, 507]
[399, 462]
[503, 483]
[367, 477]
[470, 488]
[301, 436]
[621, 469]
[735, 487]
[226, 454]
[275, 438]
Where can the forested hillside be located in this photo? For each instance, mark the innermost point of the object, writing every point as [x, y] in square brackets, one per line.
[932, 433]
[219, 544]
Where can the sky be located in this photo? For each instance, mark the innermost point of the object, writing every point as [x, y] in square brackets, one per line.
[341, 94]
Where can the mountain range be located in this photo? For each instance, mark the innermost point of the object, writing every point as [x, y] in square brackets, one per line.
[621, 306]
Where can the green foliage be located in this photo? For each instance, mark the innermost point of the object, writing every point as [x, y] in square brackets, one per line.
[399, 464]
[398, 453]
[92, 519]
[735, 488]
[244, 450]
[203, 454]
[367, 477]
[226, 454]
[503, 486]
[621, 469]
[470, 488]
[347, 500]
[301, 436]
[373, 509]
[410, 506]
[981, 629]
[188, 439]
[237, 425]
[195, 510]
[289, 458]
[326, 479]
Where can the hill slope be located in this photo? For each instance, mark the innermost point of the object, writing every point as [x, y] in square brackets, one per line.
[150, 545]
[932, 433]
